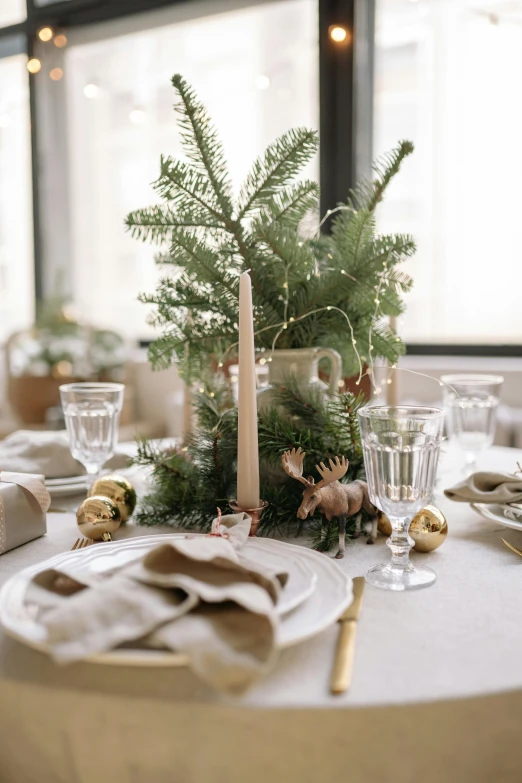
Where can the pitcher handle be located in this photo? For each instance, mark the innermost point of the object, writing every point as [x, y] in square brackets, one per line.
[336, 367]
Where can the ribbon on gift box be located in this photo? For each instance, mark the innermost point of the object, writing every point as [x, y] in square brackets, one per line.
[32, 485]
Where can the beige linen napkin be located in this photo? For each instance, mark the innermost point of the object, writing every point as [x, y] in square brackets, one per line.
[487, 488]
[47, 452]
[193, 595]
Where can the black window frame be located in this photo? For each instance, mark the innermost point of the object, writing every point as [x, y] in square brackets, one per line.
[345, 102]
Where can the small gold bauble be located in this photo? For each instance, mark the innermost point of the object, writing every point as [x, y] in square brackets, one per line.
[97, 516]
[428, 529]
[119, 490]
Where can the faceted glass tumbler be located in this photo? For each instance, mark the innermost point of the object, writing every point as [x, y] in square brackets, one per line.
[401, 450]
[92, 412]
[471, 403]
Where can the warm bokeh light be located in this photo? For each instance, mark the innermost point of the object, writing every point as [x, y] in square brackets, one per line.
[34, 65]
[91, 90]
[60, 40]
[338, 34]
[45, 34]
[56, 74]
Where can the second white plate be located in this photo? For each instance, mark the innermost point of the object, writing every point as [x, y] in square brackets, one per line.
[493, 512]
[61, 487]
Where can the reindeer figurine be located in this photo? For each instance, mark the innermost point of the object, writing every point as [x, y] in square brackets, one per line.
[330, 497]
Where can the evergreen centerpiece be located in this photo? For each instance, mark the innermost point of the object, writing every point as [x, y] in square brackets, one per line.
[192, 480]
[332, 290]
[306, 292]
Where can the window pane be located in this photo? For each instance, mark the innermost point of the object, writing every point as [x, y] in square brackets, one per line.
[12, 12]
[256, 71]
[448, 78]
[16, 251]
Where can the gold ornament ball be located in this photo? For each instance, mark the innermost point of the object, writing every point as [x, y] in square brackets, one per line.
[119, 490]
[96, 516]
[428, 529]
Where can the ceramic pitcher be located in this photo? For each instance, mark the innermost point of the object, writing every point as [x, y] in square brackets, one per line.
[300, 363]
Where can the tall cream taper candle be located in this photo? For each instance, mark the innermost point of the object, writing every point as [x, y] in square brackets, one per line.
[247, 449]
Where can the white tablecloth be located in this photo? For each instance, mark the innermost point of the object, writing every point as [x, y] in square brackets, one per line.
[436, 694]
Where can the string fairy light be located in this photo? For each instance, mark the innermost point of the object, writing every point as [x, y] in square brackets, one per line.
[45, 34]
[34, 65]
[284, 324]
[339, 34]
[383, 280]
[377, 304]
[442, 384]
[286, 299]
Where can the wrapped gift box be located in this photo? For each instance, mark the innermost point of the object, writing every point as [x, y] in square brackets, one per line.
[24, 501]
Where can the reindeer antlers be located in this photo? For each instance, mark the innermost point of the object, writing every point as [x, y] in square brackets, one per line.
[337, 469]
[293, 464]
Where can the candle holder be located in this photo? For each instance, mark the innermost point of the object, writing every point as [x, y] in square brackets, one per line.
[255, 513]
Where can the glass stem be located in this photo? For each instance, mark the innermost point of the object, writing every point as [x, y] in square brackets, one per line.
[93, 472]
[400, 543]
[471, 464]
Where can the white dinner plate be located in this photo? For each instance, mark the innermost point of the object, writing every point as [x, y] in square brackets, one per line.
[494, 512]
[67, 490]
[58, 482]
[72, 485]
[319, 608]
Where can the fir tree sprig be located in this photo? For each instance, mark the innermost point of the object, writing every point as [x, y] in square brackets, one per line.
[306, 291]
[190, 482]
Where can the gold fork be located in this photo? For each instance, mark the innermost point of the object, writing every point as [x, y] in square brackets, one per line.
[510, 546]
[80, 543]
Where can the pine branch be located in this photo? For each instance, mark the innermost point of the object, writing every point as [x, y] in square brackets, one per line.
[188, 251]
[202, 144]
[289, 206]
[323, 290]
[189, 485]
[386, 168]
[281, 162]
[280, 240]
[155, 223]
[185, 186]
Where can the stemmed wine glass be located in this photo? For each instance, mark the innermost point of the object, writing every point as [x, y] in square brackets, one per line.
[401, 449]
[92, 412]
[471, 403]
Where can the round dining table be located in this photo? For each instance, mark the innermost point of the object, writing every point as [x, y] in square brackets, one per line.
[436, 692]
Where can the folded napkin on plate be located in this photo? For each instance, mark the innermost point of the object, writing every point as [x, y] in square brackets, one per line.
[487, 488]
[47, 452]
[195, 595]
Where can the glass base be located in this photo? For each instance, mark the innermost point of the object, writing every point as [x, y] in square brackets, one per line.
[390, 577]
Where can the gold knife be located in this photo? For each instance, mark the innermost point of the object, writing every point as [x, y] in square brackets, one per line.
[345, 651]
[510, 546]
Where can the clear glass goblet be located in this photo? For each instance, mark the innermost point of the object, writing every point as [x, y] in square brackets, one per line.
[92, 412]
[401, 450]
[471, 403]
